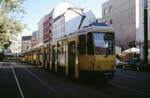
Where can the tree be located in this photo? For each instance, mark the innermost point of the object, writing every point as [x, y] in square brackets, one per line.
[8, 20]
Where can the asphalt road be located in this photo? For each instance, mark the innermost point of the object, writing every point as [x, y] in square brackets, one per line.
[19, 80]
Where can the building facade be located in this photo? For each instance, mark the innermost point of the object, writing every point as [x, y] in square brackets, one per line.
[34, 39]
[46, 29]
[127, 17]
[120, 14]
[15, 40]
[47, 25]
[40, 32]
[25, 43]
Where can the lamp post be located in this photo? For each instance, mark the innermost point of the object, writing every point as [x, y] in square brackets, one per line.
[145, 36]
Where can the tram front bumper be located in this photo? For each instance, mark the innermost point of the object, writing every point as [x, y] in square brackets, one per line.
[97, 74]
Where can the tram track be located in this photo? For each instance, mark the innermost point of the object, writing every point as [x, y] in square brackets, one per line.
[36, 82]
[113, 84]
[31, 75]
[20, 90]
[8, 85]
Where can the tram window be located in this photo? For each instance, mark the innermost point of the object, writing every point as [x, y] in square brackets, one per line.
[40, 51]
[62, 50]
[82, 45]
[58, 49]
[37, 51]
[104, 43]
[90, 46]
[44, 50]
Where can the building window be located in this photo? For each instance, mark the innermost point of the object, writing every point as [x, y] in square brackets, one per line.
[110, 9]
[105, 11]
[145, 3]
[46, 23]
[46, 36]
[111, 22]
[46, 30]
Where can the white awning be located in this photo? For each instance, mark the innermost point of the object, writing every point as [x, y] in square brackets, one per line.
[132, 50]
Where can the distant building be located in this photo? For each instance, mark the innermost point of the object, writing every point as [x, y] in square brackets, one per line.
[15, 40]
[34, 39]
[47, 23]
[7, 51]
[46, 29]
[121, 15]
[26, 43]
[40, 32]
[68, 19]
[127, 19]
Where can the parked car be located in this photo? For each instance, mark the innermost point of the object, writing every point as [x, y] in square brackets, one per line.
[118, 63]
[133, 63]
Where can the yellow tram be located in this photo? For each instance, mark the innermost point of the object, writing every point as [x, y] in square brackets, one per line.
[89, 52]
[11, 57]
[21, 57]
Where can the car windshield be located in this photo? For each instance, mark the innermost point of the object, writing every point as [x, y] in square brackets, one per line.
[104, 43]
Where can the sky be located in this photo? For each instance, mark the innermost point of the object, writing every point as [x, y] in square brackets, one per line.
[36, 9]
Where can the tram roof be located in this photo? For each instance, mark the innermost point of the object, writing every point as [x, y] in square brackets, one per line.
[100, 27]
[94, 27]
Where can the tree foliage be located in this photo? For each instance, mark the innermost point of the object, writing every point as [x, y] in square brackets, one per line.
[8, 20]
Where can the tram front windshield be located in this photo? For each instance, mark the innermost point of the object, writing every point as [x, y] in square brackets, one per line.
[104, 43]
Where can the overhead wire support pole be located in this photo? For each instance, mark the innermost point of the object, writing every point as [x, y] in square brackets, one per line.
[76, 11]
[145, 36]
[82, 15]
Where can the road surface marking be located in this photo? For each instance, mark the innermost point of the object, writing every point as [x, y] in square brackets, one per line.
[22, 96]
[44, 83]
[41, 81]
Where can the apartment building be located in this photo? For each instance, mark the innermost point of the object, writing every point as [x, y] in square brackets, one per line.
[34, 39]
[40, 32]
[15, 40]
[120, 14]
[25, 43]
[47, 25]
[127, 18]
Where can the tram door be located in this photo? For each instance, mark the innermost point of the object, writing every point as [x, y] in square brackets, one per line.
[48, 57]
[53, 57]
[44, 57]
[38, 56]
[71, 58]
